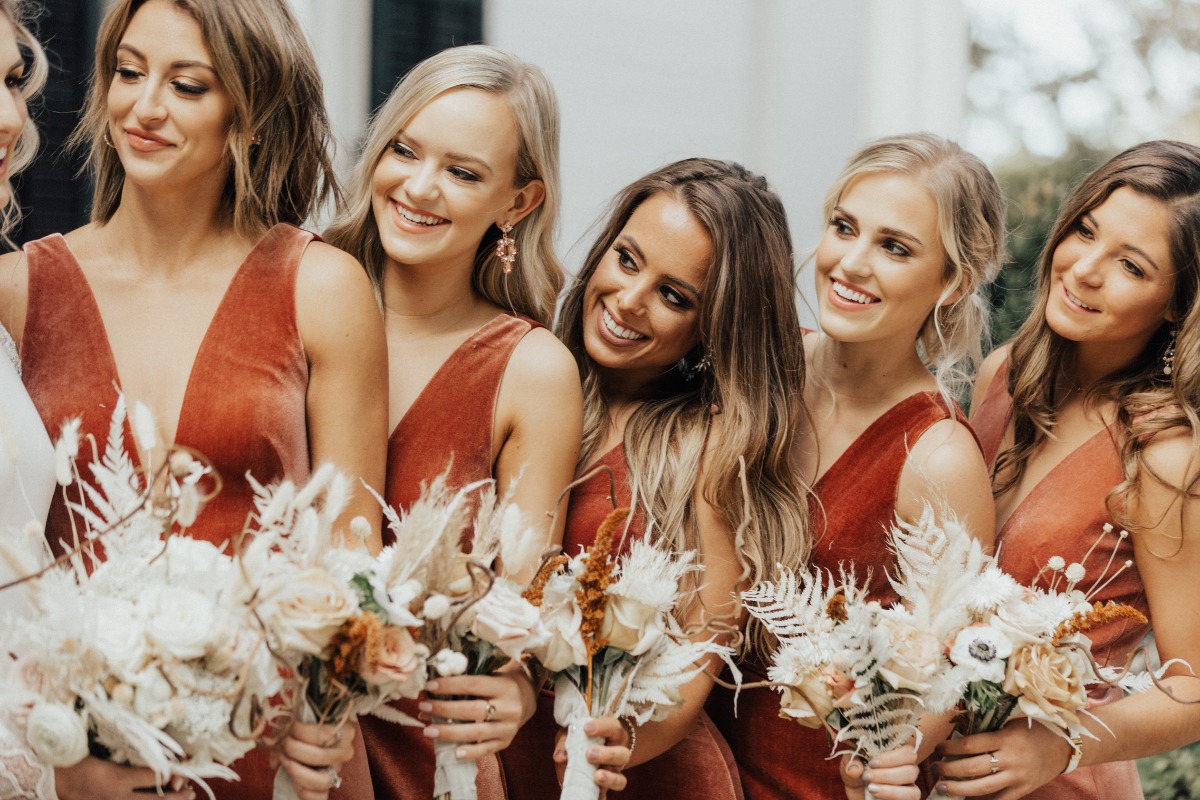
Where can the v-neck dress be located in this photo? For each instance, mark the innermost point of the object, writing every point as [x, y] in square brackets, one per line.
[244, 406]
[449, 425]
[1064, 515]
[852, 507]
[700, 766]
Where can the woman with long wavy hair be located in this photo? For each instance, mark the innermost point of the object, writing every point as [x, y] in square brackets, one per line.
[193, 292]
[914, 230]
[683, 323]
[1090, 418]
[452, 209]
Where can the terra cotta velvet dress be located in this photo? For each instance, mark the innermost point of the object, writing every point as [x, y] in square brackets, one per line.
[244, 407]
[1064, 515]
[852, 507]
[700, 766]
[448, 425]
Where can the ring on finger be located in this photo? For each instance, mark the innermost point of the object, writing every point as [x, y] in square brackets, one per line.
[490, 713]
[335, 780]
[995, 762]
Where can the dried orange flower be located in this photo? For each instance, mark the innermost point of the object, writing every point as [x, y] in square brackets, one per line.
[356, 643]
[593, 584]
[1099, 614]
[537, 587]
[835, 609]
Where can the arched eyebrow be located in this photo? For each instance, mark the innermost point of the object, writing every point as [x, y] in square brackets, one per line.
[633, 245]
[1124, 245]
[895, 233]
[174, 64]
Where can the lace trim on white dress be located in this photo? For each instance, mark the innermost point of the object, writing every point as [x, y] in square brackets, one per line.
[10, 348]
[21, 774]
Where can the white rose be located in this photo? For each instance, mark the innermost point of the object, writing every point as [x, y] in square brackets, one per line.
[119, 635]
[179, 621]
[56, 734]
[152, 698]
[631, 625]
[507, 620]
[303, 611]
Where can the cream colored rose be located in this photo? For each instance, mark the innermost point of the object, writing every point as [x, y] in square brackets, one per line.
[1048, 683]
[809, 703]
[631, 625]
[914, 656]
[56, 734]
[303, 611]
[507, 620]
[399, 658]
[179, 621]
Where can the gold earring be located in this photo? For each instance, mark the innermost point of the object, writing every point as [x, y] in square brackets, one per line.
[108, 141]
[506, 248]
[1168, 357]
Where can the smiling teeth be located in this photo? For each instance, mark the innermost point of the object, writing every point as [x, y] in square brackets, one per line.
[617, 330]
[419, 219]
[1079, 302]
[846, 293]
[3, 153]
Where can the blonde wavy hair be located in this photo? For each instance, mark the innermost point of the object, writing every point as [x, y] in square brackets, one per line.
[532, 288]
[971, 211]
[750, 336]
[279, 140]
[22, 152]
[1147, 400]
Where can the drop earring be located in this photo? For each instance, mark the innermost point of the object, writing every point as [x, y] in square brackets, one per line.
[506, 248]
[1168, 356]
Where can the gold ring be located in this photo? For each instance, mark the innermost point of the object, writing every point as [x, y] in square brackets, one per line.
[995, 761]
[490, 714]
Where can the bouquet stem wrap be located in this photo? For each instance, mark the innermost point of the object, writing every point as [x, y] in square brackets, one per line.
[453, 778]
[579, 780]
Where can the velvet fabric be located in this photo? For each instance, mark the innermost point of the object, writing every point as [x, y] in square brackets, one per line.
[700, 766]
[244, 406]
[1064, 515]
[852, 507]
[450, 424]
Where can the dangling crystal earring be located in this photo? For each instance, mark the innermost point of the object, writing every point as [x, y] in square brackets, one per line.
[108, 141]
[1168, 356]
[506, 248]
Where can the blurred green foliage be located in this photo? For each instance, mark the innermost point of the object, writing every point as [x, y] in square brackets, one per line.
[1172, 776]
[1035, 189]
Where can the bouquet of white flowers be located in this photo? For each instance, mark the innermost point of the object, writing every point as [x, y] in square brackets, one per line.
[614, 646]
[141, 646]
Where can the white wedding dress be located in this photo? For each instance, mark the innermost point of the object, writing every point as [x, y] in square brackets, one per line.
[26, 486]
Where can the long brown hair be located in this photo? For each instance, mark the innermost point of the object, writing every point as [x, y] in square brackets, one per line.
[750, 336]
[22, 151]
[1147, 400]
[533, 286]
[279, 139]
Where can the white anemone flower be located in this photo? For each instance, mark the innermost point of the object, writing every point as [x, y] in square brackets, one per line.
[982, 650]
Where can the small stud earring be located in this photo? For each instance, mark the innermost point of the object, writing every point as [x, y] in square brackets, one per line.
[506, 248]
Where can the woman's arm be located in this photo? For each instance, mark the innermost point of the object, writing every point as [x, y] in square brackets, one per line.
[343, 336]
[1167, 551]
[539, 424]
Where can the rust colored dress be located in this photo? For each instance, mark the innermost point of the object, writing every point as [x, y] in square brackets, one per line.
[700, 766]
[449, 424]
[852, 507]
[244, 406]
[1064, 515]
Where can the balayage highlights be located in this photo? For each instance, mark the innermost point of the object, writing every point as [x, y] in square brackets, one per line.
[971, 213]
[279, 139]
[22, 152]
[1147, 400]
[750, 334]
[533, 286]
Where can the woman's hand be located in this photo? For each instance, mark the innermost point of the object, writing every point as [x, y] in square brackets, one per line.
[312, 755]
[1009, 763]
[96, 779]
[611, 757]
[486, 723]
[888, 776]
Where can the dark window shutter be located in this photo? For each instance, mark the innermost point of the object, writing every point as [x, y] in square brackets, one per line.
[54, 197]
[407, 31]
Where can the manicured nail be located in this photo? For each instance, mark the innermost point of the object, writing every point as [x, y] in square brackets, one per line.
[432, 686]
[866, 776]
[460, 752]
[872, 788]
[943, 789]
[874, 762]
[424, 706]
[589, 727]
[593, 754]
[431, 732]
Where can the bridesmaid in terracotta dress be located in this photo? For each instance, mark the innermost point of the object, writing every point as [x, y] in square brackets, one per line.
[192, 292]
[452, 209]
[1090, 416]
[684, 326]
[915, 227]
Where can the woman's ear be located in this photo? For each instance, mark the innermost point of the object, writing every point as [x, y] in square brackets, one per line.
[527, 199]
